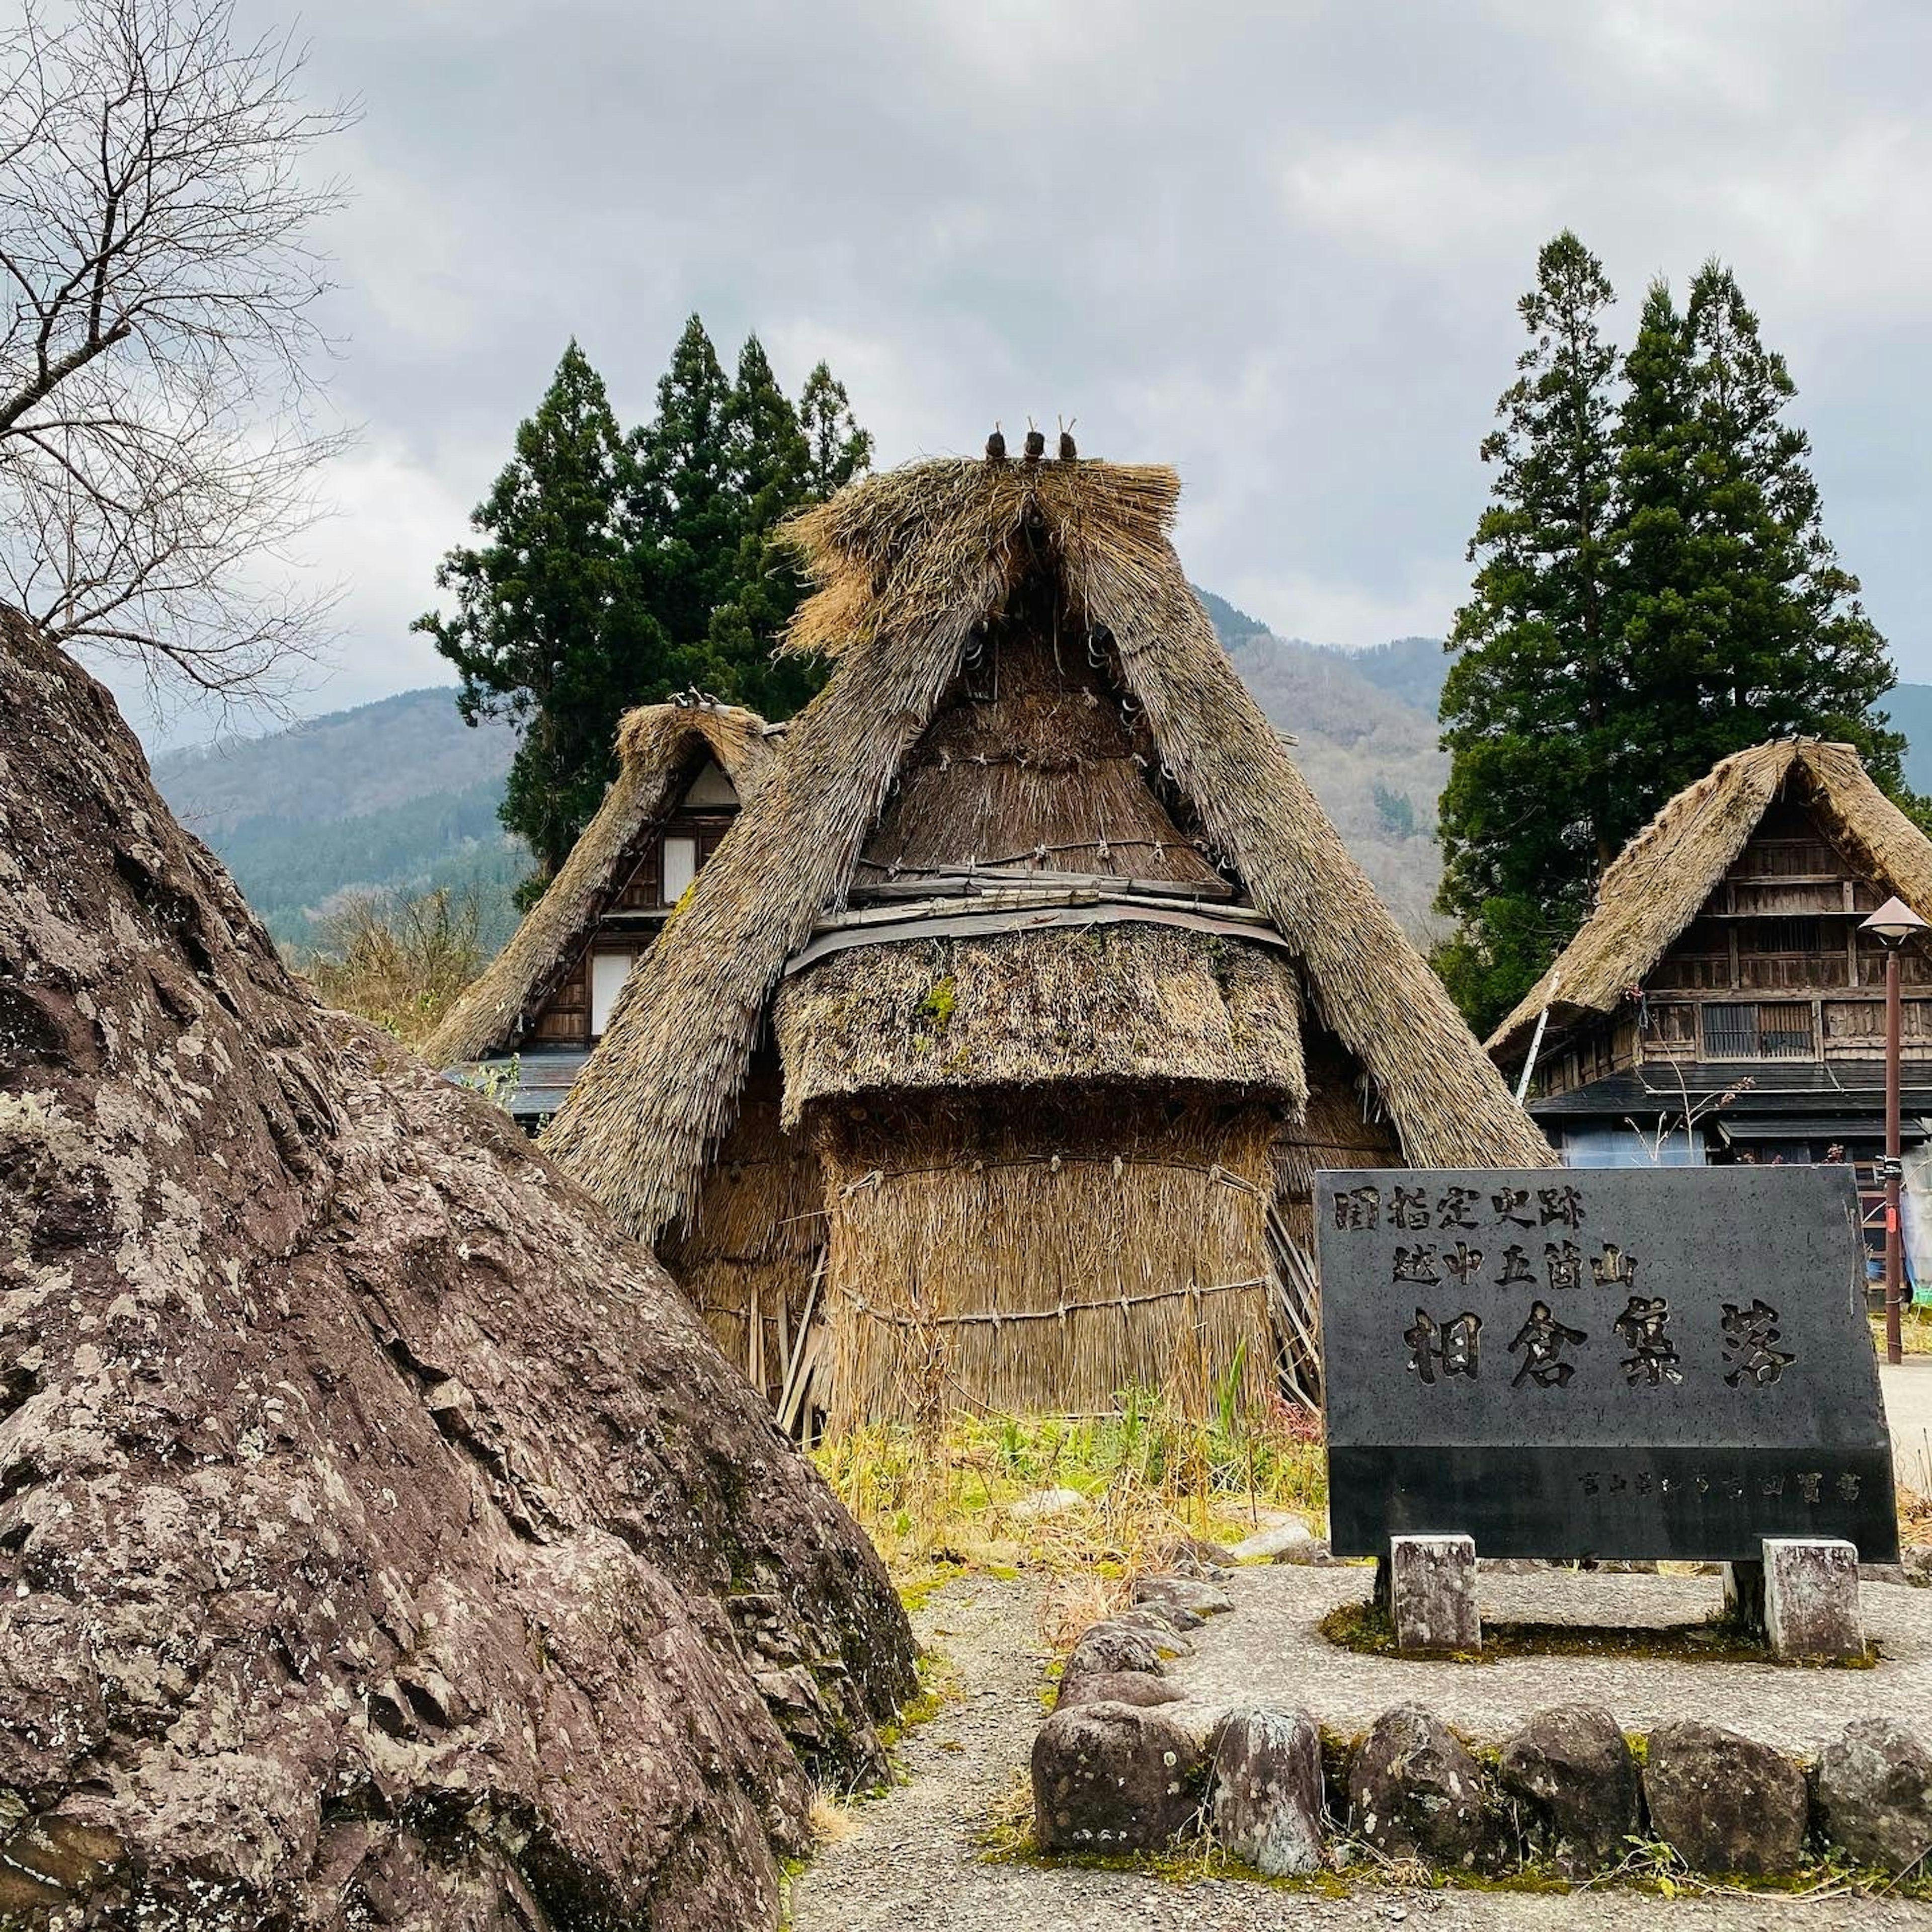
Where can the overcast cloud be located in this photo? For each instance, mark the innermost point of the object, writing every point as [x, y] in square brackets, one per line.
[1278, 246]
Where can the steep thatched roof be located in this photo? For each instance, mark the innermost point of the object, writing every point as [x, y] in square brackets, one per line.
[1659, 882]
[661, 748]
[908, 564]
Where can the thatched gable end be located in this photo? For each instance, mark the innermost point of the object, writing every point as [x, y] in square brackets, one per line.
[1101, 1005]
[662, 748]
[1662, 879]
[910, 566]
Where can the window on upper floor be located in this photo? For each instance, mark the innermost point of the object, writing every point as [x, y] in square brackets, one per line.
[1758, 1030]
[1782, 935]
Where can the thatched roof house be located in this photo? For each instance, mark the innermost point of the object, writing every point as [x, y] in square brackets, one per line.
[1046, 951]
[684, 770]
[1724, 957]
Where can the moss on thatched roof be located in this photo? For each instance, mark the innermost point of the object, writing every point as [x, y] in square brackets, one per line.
[661, 748]
[1659, 882]
[1127, 1004]
[907, 565]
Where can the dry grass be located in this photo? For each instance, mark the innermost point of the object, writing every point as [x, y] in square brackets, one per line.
[747, 1256]
[400, 961]
[831, 1821]
[1150, 1479]
[1103, 1005]
[1025, 1281]
[1915, 1330]
[1660, 882]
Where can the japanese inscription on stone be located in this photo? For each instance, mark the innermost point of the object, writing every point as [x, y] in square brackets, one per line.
[1628, 1362]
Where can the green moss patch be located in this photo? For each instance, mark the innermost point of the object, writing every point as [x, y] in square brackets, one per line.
[1365, 1629]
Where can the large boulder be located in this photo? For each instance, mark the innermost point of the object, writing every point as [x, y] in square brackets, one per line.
[1415, 1793]
[1113, 1778]
[382, 1539]
[1875, 1792]
[1727, 1803]
[1576, 1771]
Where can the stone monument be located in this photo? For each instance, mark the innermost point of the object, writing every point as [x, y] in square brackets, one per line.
[1639, 1363]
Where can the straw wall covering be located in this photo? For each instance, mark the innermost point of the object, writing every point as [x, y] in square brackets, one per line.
[1045, 1264]
[746, 1260]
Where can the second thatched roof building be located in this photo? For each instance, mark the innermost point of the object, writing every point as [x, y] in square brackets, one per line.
[1041, 946]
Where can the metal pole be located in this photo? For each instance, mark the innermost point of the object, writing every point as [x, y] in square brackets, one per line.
[1894, 1351]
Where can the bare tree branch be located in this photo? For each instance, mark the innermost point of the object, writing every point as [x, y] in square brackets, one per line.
[161, 414]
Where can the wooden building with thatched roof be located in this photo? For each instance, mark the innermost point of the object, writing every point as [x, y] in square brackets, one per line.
[992, 1057]
[684, 771]
[1721, 1002]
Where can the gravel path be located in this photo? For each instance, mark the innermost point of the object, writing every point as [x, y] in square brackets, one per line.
[911, 1866]
[1271, 1646]
[1908, 1413]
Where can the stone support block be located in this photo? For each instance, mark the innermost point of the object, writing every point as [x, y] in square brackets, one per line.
[1432, 1594]
[1811, 1598]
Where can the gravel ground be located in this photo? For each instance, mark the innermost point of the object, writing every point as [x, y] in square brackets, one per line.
[1908, 1412]
[911, 1865]
[1271, 1646]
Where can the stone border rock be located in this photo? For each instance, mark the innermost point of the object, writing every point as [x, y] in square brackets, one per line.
[1128, 1762]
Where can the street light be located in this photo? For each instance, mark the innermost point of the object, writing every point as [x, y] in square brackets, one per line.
[1892, 925]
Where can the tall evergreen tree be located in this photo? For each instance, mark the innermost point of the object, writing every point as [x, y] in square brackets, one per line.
[836, 448]
[1723, 616]
[1654, 509]
[1532, 710]
[1772, 639]
[553, 629]
[685, 497]
[781, 459]
[621, 569]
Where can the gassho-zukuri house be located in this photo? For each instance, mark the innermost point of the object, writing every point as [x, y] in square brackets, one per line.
[1722, 1003]
[684, 770]
[990, 1057]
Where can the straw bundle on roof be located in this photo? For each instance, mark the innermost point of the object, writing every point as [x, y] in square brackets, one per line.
[1104, 1006]
[1130, 1257]
[1660, 881]
[910, 566]
[660, 748]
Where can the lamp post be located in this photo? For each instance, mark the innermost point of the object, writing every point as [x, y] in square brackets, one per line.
[1892, 925]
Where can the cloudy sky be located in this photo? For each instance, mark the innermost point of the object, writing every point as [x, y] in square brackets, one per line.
[1276, 244]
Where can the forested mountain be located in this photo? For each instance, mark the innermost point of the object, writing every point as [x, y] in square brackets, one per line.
[1364, 726]
[399, 794]
[402, 795]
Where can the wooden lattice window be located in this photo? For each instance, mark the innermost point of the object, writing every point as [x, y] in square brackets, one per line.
[1758, 1030]
[1798, 935]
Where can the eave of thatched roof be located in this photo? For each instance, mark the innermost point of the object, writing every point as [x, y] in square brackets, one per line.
[907, 564]
[1659, 882]
[1124, 1004]
[660, 748]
